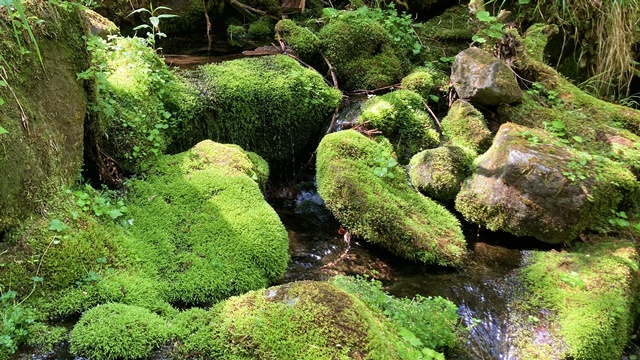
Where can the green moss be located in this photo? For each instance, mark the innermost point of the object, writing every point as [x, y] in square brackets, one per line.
[203, 227]
[261, 29]
[117, 331]
[401, 117]
[361, 51]
[425, 82]
[301, 39]
[591, 316]
[465, 126]
[384, 210]
[439, 172]
[270, 105]
[43, 338]
[36, 161]
[303, 320]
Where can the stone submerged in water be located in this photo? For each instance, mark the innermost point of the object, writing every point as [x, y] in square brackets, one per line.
[371, 197]
[530, 184]
[484, 79]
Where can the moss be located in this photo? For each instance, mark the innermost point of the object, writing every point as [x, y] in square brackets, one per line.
[401, 117]
[261, 29]
[301, 39]
[270, 105]
[590, 317]
[465, 126]
[203, 227]
[302, 320]
[425, 82]
[36, 161]
[439, 172]
[384, 210]
[237, 35]
[361, 51]
[43, 338]
[117, 331]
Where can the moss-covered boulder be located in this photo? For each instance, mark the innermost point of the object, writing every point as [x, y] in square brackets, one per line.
[302, 320]
[270, 105]
[583, 300]
[402, 118]
[370, 195]
[302, 40]
[426, 82]
[530, 183]
[42, 113]
[117, 331]
[202, 223]
[484, 79]
[465, 126]
[97, 25]
[438, 173]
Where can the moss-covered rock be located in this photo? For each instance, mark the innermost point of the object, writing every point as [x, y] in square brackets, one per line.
[362, 51]
[117, 331]
[271, 105]
[302, 320]
[97, 25]
[301, 39]
[371, 197]
[42, 148]
[465, 126]
[401, 117]
[438, 173]
[531, 183]
[583, 298]
[203, 227]
[426, 82]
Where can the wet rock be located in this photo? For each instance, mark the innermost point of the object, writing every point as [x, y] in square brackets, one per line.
[484, 79]
[465, 126]
[529, 183]
[368, 193]
[438, 173]
[98, 25]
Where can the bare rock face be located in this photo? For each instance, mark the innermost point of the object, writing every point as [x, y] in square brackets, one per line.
[530, 184]
[484, 79]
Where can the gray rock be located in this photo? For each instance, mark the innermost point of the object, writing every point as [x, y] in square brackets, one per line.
[484, 79]
[529, 183]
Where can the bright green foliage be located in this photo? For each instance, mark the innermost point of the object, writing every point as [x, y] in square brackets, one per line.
[465, 126]
[361, 49]
[237, 35]
[301, 39]
[426, 82]
[301, 320]
[44, 338]
[203, 227]
[433, 320]
[439, 172]
[271, 105]
[384, 210]
[117, 331]
[591, 291]
[15, 323]
[402, 118]
[131, 110]
[261, 29]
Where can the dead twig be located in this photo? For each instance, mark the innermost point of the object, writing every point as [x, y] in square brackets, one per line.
[23, 116]
[332, 70]
[347, 239]
[432, 114]
[371, 92]
[333, 119]
[246, 8]
[362, 129]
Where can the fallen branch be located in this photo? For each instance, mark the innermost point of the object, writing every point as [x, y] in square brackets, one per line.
[332, 70]
[362, 129]
[333, 119]
[370, 92]
[432, 114]
[248, 9]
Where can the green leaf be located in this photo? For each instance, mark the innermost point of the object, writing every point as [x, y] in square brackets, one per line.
[115, 213]
[57, 225]
[391, 162]
[578, 139]
[558, 124]
[36, 279]
[478, 39]
[3, 131]
[484, 16]
[1, 101]
[155, 21]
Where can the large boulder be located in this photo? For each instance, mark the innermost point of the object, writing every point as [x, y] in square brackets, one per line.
[530, 183]
[42, 115]
[438, 173]
[484, 79]
[361, 184]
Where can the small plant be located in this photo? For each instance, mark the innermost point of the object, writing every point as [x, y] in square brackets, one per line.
[550, 97]
[20, 23]
[572, 279]
[16, 321]
[532, 137]
[384, 163]
[557, 129]
[101, 204]
[491, 29]
[619, 219]
[154, 20]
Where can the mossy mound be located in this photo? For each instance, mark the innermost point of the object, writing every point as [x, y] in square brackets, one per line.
[301, 39]
[438, 173]
[203, 227]
[426, 82]
[259, 31]
[591, 292]
[302, 320]
[41, 128]
[373, 199]
[117, 331]
[530, 183]
[270, 105]
[401, 117]
[465, 126]
[137, 103]
[362, 51]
